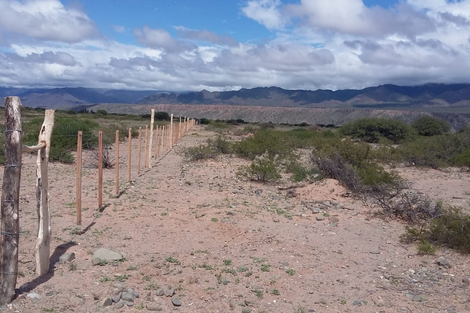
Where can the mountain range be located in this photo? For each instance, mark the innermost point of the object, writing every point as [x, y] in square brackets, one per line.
[440, 97]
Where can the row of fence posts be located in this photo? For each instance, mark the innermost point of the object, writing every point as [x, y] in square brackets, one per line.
[165, 137]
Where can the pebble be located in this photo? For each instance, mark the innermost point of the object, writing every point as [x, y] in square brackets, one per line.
[154, 308]
[67, 257]
[169, 292]
[128, 296]
[320, 218]
[33, 295]
[117, 297]
[176, 301]
[119, 305]
[107, 302]
[160, 292]
[442, 261]
[375, 252]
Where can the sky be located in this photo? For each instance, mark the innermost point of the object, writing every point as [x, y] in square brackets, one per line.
[184, 45]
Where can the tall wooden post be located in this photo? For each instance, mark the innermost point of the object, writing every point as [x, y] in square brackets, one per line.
[157, 143]
[116, 157]
[152, 120]
[100, 169]
[171, 131]
[43, 243]
[129, 156]
[140, 150]
[145, 145]
[179, 129]
[162, 147]
[10, 226]
[79, 178]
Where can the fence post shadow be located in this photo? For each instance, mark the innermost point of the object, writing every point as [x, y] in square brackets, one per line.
[59, 250]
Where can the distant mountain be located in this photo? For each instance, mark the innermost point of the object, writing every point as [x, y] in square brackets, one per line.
[67, 98]
[384, 96]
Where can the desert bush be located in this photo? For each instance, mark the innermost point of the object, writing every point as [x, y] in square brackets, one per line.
[274, 143]
[451, 228]
[301, 173]
[372, 130]
[201, 152]
[204, 121]
[430, 126]
[220, 145]
[437, 151]
[262, 169]
[64, 136]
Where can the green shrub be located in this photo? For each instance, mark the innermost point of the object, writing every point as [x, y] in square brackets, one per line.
[300, 172]
[273, 143]
[450, 229]
[220, 145]
[373, 130]
[204, 121]
[261, 169]
[430, 126]
[201, 152]
[162, 116]
[64, 136]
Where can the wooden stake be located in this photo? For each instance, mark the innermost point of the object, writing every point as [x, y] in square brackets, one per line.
[152, 120]
[157, 133]
[129, 155]
[43, 243]
[145, 145]
[179, 129]
[171, 131]
[79, 178]
[140, 150]
[100, 169]
[10, 226]
[116, 151]
[162, 147]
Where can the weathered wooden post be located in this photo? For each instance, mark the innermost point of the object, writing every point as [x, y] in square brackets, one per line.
[179, 129]
[100, 169]
[10, 226]
[145, 145]
[152, 120]
[43, 243]
[162, 147]
[129, 156]
[157, 143]
[171, 131]
[79, 178]
[116, 157]
[140, 150]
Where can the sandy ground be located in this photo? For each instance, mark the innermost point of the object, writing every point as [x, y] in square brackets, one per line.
[226, 245]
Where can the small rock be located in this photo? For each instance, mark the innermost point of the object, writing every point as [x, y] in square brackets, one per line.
[117, 297]
[33, 295]
[466, 281]
[128, 296]
[374, 252]
[442, 261]
[358, 303]
[417, 298]
[107, 302]
[95, 261]
[291, 193]
[67, 257]
[154, 308]
[107, 255]
[333, 220]
[119, 305]
[320, 218]
[160, 292]
[169, 292]
[176, 301]
[315, 210]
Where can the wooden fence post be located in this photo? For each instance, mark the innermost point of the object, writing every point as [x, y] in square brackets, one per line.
[116, 157]
[100, 169]
[152, 120]
[140, 152]
[129, 155]
[145, 145]
[179, 129]
[79, 178]
[171, 131]
[162, 147]
[10, 227]
[157, 133]
[43, 243]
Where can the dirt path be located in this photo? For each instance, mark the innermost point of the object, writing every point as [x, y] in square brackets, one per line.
[226, 245]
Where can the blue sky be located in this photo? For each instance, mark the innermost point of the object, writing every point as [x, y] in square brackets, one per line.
[226, 45]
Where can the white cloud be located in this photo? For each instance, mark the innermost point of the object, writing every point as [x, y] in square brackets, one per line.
[205, 35]
[266, 12]
[45, 20]
[118, 28]
[160, 39]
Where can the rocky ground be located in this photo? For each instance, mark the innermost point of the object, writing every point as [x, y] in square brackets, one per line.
[191, 237]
